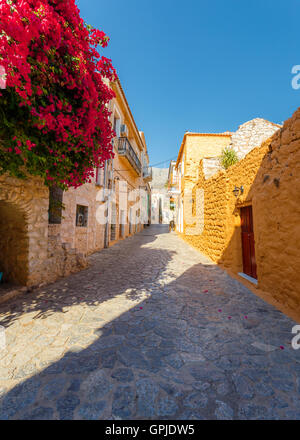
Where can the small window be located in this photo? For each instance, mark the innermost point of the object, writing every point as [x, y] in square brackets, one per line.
[100, 177]
[55, 205]
[117, 126]
[81, 216]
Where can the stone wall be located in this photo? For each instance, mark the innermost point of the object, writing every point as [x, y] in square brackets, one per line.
[31, 251]
[211, 165]
[197, 147]
[277, 189]
[270, 177]
[84, 239]
[252, 134]
[23, 229]
[62, 260]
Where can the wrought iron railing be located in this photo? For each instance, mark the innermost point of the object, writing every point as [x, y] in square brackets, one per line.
[125, 149]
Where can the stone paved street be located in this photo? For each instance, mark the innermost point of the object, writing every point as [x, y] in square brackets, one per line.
[151, 330]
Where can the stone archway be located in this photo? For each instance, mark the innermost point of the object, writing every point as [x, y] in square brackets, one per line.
[14, 243]
[24, 207]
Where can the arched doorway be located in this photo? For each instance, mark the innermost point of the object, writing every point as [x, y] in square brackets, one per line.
[14, 244]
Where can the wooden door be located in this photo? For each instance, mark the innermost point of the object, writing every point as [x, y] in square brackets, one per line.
[248, 243]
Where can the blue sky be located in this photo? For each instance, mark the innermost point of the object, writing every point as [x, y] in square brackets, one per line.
[200, 65]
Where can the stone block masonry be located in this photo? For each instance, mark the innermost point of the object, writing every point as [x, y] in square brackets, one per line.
[270, 177]
[31, 251]
[251, 134]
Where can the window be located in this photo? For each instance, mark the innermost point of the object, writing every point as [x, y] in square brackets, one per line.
[117, 126]
[100, 177]
[55, 205]
[81, 216]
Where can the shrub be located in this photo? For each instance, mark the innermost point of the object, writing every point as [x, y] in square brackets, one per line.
[54, 119]
[228, 157]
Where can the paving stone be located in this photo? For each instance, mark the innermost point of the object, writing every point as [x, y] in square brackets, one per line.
[91, 411]
[175, 361]
[264, 389]
[166, 407]
[81, 364]
[223, 411]
[54, 388]
[123, 402]
[147, 392]
[96, 385]
[204, 373]
[132, 357]
[223, 389]
[123, 375]
[243, 386]
[135, 338]
[250, 411]
[41, 413]
[196, 400]
[74, 385]
[20, 397]
[171, 389]
[66, 405]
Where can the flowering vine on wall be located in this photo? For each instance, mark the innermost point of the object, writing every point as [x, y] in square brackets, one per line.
[54, 119]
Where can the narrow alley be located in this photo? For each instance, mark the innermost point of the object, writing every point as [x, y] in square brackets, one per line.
[152, 329]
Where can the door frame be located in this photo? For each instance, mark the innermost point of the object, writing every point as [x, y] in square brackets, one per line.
[248, 243]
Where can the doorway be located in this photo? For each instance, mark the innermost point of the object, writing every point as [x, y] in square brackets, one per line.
[248, 242]
[14, 244]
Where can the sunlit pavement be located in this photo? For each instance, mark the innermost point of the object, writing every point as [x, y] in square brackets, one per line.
[152, 330]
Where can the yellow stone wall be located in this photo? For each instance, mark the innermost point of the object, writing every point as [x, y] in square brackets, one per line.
[196, 146]
[270, 176]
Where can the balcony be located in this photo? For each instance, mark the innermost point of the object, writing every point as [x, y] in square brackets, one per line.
[147, 174]
[125, 149]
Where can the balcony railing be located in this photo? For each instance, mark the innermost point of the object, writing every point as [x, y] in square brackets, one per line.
[125, 149]
[147, 174]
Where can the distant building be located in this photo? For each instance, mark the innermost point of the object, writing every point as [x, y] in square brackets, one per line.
[160, 205]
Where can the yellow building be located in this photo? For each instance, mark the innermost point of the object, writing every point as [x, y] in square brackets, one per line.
[194, 147]
[128, 172]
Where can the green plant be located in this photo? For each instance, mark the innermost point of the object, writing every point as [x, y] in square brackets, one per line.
[54, 92]
[228, 157]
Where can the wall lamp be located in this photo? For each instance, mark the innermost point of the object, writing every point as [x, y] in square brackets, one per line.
[237, 190]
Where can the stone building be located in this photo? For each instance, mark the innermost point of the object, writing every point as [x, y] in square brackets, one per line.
[194, 147]
[31, 250]
[45, 234]
[207, 147]
[251, 216]
[98, 214]
[160, 210]
[251, 134]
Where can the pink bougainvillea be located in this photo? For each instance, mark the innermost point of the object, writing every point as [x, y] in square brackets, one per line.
[54, 118]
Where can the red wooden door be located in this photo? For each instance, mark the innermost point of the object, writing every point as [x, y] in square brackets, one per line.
[248, 243]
